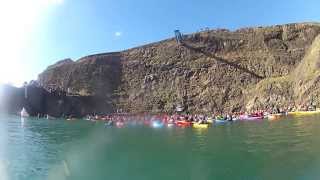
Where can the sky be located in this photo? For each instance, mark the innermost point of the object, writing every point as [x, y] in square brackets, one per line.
[38, 33]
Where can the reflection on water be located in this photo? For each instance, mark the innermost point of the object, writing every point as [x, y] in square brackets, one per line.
[3, 170]
[32, 149]
[3, 161]
[22, 121]
[200, 144]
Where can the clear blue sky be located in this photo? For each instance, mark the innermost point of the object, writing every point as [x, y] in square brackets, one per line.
[75, 28]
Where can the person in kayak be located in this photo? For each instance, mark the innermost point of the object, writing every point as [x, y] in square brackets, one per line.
[109, 123]
[229, 117]
[220, 117]
[275, 110]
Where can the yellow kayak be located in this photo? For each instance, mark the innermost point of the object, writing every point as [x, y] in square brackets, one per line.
[196, 125]
[210, 121]
[302, 113]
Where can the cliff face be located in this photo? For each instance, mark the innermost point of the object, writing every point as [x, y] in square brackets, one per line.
[97, 75]
[300, 86]
[39, 101]
[211, 71]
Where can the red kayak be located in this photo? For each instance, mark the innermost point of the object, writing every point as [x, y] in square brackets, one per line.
[183, 123]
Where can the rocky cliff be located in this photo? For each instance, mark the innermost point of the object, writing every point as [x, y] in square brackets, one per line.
[216, 70]
[41, 102]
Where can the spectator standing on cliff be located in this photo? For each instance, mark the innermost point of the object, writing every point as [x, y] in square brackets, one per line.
[178, 36]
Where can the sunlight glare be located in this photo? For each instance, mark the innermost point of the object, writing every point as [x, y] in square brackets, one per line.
[18, 19]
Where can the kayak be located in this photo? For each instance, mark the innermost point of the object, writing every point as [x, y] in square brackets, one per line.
[275, 116]
[210, 121]
[197, 125]
[108, 124]
[71, 119]
[157, 124]
[250, 118]
[235, 119]
[254, 118]
[120, 124]
[146, 123]
[219, 121]
[183, 123]
[302, 113]
[170, 125]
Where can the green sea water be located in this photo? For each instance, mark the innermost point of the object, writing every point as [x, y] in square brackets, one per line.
[35, 149]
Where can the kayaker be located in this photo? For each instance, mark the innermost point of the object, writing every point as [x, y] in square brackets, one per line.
[311, 108]
[109, 123]
[191, 118]
[276, 110]
[225, 117]
[234, 117]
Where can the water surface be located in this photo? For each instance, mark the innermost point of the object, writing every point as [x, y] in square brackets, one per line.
[50, 150]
